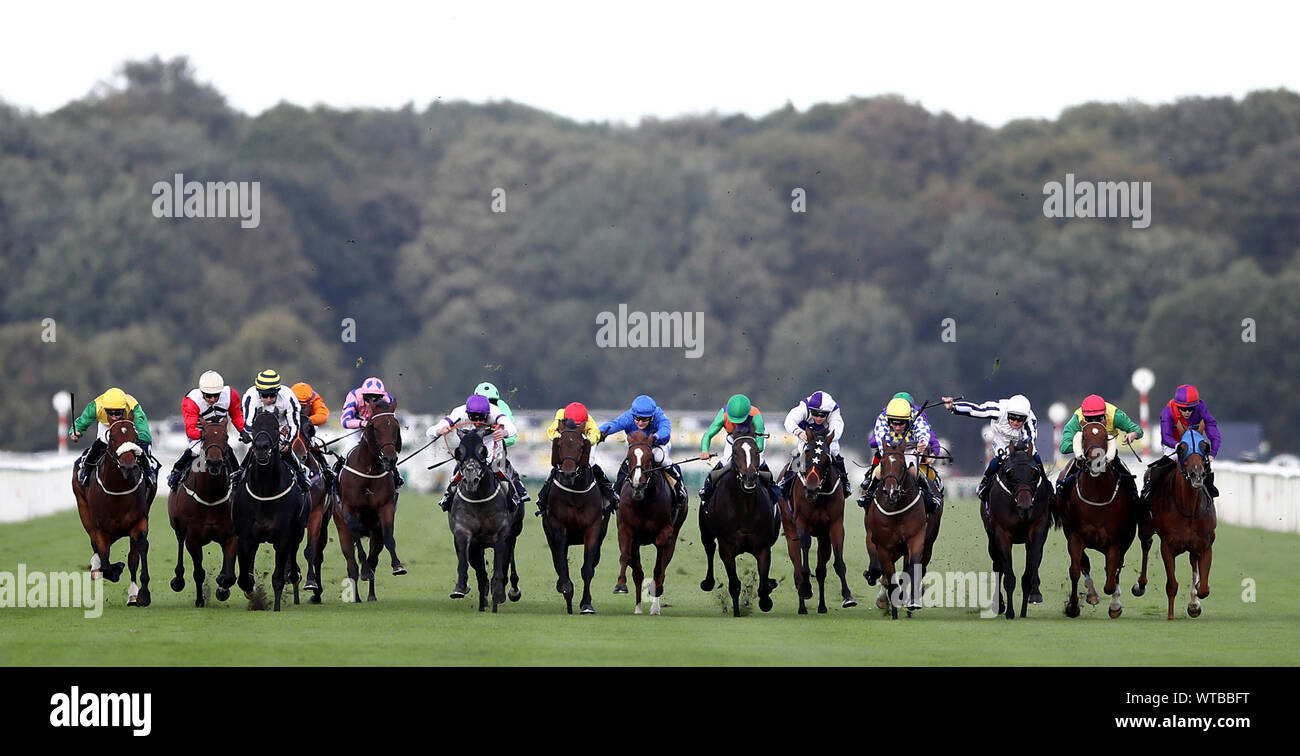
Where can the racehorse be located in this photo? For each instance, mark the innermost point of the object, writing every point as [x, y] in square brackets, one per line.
[575, 514]
[1182, 512]
[818, 512]
[897, 527]
[268, 507]
[646, 516]
[114, 504]
[199, 511]
[742, 519]
[1018, 510]
[1096, 513]
[367, 498]
[480, 518]
[322, 508]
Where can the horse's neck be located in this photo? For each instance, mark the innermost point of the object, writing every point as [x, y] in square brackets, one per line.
[361, 457]
[268, 474]
[112, 476]
[1102, 484]
[209, 483]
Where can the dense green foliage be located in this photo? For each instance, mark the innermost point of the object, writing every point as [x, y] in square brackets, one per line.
[385, 217]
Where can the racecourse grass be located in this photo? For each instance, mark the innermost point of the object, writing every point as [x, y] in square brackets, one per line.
[415, 623]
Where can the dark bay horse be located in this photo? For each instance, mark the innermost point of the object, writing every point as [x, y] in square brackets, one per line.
[268, 507]
[199, 511]
[1182, 512]
[1019, 510]
[480, 518]
[646, 516]
[114, 504]
[575, 514]
[898, 526]
[741, 519]
[322, 508]
[818, 512]
[1096, 513]
[367, 498]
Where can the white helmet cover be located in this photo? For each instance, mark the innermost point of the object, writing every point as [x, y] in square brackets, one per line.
[1018, 405]
[211, 382]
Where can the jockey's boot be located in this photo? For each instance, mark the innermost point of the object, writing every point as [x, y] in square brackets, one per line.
[1209, 482]
[177, 474]
[300, 474]
[787, 484]
[521, 494]
[512, 501]
[706, 490]
[1071, 472]
[844, 473]
[543, 495]
[868, 486]
[446, 495]
[90, 459]
[679, 488]
[606, 488]
[931, 503]
[1127, 480]
[621, 477]
[765, 475]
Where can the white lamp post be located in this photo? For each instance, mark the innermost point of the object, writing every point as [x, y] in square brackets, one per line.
[62, 403]
[1057, 413]
[1143, 380]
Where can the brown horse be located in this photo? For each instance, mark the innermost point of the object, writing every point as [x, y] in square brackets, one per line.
[114, 504]
[199, 511]
[367, 499]
[1182, 512]
[575, 514]
[322, 507]
[1096, 513]
[817, 514]
[1018, 510]
[898, 526]
[646, 516]
[741, 519]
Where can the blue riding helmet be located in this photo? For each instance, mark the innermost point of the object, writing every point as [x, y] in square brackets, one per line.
[644, 406]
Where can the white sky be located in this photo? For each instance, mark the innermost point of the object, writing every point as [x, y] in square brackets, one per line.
[620, 61]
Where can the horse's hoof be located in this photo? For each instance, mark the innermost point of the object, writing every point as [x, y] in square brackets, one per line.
[314, 598]
[915, 607]
[1193, 610]
[515, 594]
[821, 609]
[177, 584]
[1072, 610]
[773, 583]
[399, 570]
[1035, 598]
[199, 602]
[588, 609]
[706, 584]
[765, 603]
[803, 610]
[144, 598]
[132, 601]
[637, 609]
[848, 603]
[882, 604]
[871, 579]
[620, 588]
[1138, 590]
[223, 594]
[1115, 611]
[458, 593]
[909, 614]
[371, 598]
[805, 593]
[311, 585]
[1094, 599]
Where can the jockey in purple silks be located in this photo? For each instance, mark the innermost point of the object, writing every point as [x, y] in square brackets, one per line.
[1185, 410]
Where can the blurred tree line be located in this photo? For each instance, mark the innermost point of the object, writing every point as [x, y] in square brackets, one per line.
[385, 217]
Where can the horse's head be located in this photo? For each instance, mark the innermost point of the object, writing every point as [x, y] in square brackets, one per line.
[125, 446]
[1095, 441]
[893, 469]
[571, 452]
[472, 456]
[1192, 451]
[817, 457]
[383, 434]
[744, 460]
[640, 457]
[1023, 477]
[266, 437]
[216, 444]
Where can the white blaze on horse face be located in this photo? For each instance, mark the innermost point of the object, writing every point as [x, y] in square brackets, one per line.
[748, 460]
[636, 473]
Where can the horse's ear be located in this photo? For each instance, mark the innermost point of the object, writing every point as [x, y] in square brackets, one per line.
[457, 454]
[1205, 447]
[1182, 449]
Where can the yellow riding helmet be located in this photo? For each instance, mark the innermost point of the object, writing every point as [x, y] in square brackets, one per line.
[114, 398]
[898, 409]
[268, 380]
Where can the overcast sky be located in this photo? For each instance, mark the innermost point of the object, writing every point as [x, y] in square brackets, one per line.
[620, 61]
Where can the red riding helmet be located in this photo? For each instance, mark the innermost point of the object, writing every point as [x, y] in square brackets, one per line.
[1093, 405]
[576, 412]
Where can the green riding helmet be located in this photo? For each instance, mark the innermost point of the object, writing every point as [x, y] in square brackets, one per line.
[907, 396]
[488, 390]
[738, 408]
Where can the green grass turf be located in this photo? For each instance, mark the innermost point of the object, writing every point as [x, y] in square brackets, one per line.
[415, 623]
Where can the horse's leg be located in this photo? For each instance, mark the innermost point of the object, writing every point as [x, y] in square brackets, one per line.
[100, 544]
[555, 538]
[1033, 557]
[1171, 582]
[1004, 568]
[1203, 571]
[733, 580]
[310, 553]
[804, 581]
[1146, 531]
[764, 559]
[590, 558]
[1086, 566]
[706, 537]
[1194, 606]
[386, 517]
[887, 582]
[178, 582]
[196, 555]
[277, 575]
[626, 545]
[793, 545]
[664, 550]
[376, 548]
[461, 542]
[349, 549]
[1114, 562]
[245, 553]
[638, 573]
[823, 556]
[874, 568]
[476, 557]
[226, 577]
[1075, 546]
[500, 569]
[133, 563]
[916, 569]
[837, 550]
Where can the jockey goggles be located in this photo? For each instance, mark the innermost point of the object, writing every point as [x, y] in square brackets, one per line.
[643, 419]
[1016, 418]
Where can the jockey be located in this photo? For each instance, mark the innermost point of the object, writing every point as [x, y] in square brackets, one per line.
[819, 409]
[358, 408]
[277, 399]
[899, 423]
[739, 418]
[477, 409]
[646, 416]
[109, 407]
[314, 407]
[212, 401]
[1012, 421]
[1186, 410]
[494, 398]
[575, 415]
[934, 450]
[1119, 427]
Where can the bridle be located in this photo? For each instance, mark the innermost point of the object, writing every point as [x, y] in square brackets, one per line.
[579, 465]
